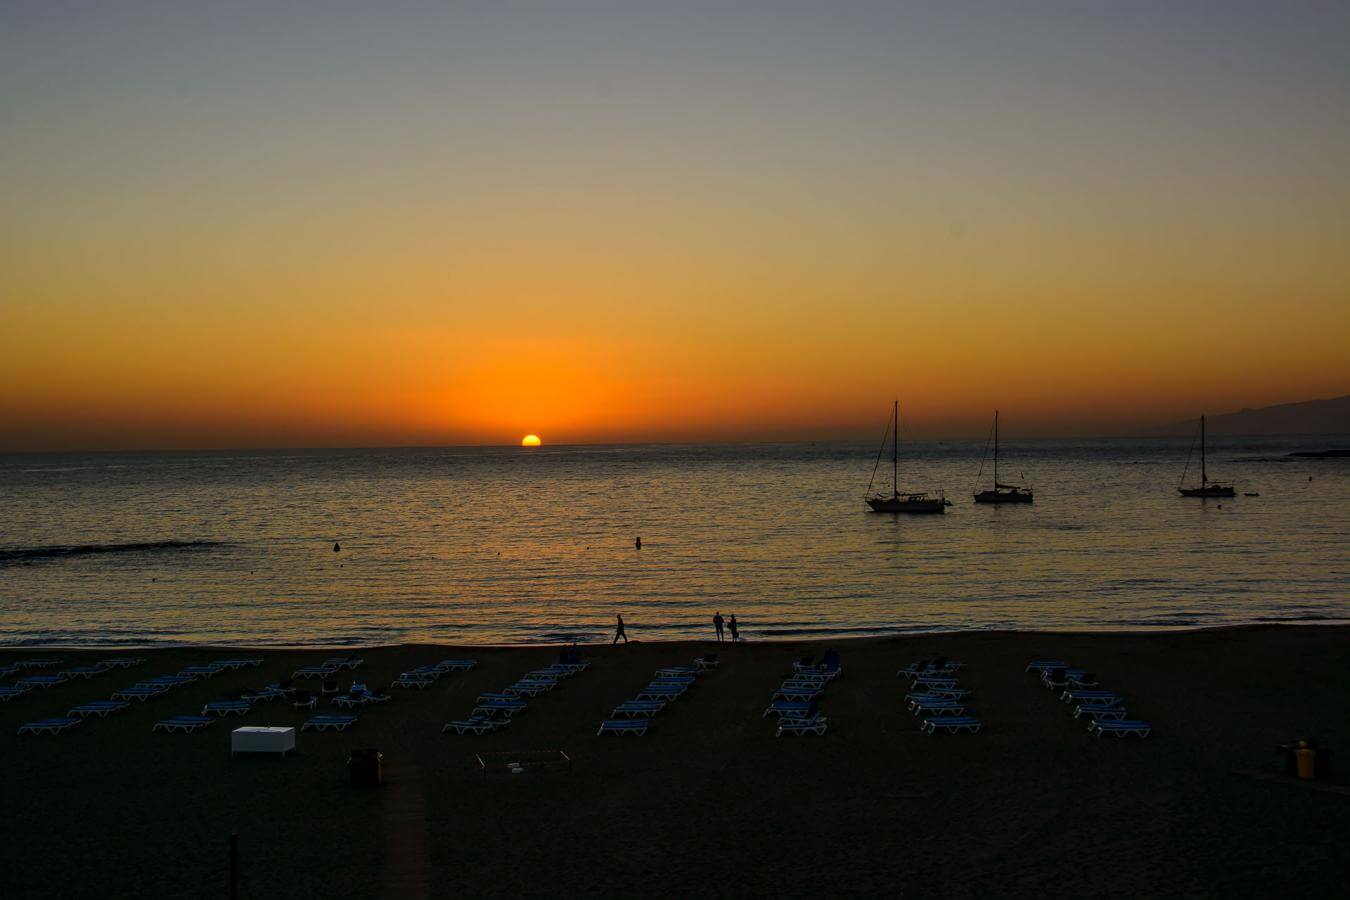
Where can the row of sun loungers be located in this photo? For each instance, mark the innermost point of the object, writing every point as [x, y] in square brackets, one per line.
[795, 700]
[493, 710]
[162, 684]
[938, 698]
[26, 682]
[667, 685]
[210, 711]
[1104, 710]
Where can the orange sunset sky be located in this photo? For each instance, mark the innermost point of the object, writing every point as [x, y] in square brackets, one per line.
[230, 226]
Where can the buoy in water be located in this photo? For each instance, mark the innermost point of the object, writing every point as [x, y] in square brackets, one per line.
[336, 546]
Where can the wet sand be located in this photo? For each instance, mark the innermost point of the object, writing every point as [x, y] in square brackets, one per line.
[709, 801]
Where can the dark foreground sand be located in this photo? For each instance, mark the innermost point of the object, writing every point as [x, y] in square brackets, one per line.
[710, 801]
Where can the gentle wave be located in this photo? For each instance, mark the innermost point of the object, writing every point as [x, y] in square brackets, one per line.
[65, 551]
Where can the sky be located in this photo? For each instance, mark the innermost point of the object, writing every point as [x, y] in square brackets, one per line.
[291, 224]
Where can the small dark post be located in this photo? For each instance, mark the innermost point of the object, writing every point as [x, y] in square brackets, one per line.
[234, 865]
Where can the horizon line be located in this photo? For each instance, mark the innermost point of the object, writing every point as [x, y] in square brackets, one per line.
[265, 448]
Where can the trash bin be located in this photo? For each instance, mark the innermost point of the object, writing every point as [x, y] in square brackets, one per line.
[364, 766]
[1307, 762]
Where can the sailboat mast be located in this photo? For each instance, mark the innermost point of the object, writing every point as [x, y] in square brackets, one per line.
[1204, 473]
[895, 451]
[995, 449]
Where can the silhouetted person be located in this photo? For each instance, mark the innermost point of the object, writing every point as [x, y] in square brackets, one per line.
[336, 546]
[638, 542]
[717, 623]
[735, 629]
[618, 632]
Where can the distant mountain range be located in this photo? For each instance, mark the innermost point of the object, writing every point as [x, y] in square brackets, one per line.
[1309, 417]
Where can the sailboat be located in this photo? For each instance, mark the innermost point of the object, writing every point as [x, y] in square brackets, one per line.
[898, 502]
[1002, 493]
[1207, 488]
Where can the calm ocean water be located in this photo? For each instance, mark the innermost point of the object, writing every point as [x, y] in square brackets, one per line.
[517, 546]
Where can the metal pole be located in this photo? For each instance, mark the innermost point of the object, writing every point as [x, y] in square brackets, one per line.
[1204, 470]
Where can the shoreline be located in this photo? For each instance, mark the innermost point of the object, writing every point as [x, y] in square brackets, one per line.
[858, 640]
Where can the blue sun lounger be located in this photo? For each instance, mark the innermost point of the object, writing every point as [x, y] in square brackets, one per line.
[937, 707]
[638, 709]
[951, 724]
[529, 688]
[414, 680]
[351, 701]
[201, 671]
[48, 726]
[313, 672]
[82, 672]
[343, 662]
[1120, 728]
[169, 680]
[1059, 679]
[797, 693]
[42, 681]
[1042, 665]
[928, 681]
[624, 726]
[790, 708]
[41, 663]
[121, 662]
[476, 725]
[239, 662]
[1100, 713]
[679, 671]
[457, 665]
[929, 667]
[100, 708]
[226, 708]
[659, 693]
[801, 726]
[709, 661]
[183, 724]
[329, 723]
[9, 691]
[140, 692]
[505, 707]
[928, 697]
[1099, 697]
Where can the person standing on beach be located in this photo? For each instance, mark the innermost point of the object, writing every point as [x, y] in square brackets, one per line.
[735, 629]
[717, 623]
[619, 633]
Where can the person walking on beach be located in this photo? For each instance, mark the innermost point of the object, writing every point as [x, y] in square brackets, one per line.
[717, 623]
[619, 633]
[735, 629]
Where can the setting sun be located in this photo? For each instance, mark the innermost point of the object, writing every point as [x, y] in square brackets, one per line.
[530, 440]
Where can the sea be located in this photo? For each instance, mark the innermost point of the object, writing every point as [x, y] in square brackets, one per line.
[507, 545]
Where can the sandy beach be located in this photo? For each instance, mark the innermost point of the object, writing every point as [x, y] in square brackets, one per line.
[709, 801]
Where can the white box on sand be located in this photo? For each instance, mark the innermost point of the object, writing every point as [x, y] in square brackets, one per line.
[264, 739]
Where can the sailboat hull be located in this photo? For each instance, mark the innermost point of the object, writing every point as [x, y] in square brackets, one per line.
[1209, 490]
[920, 505]
[1013, 496]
